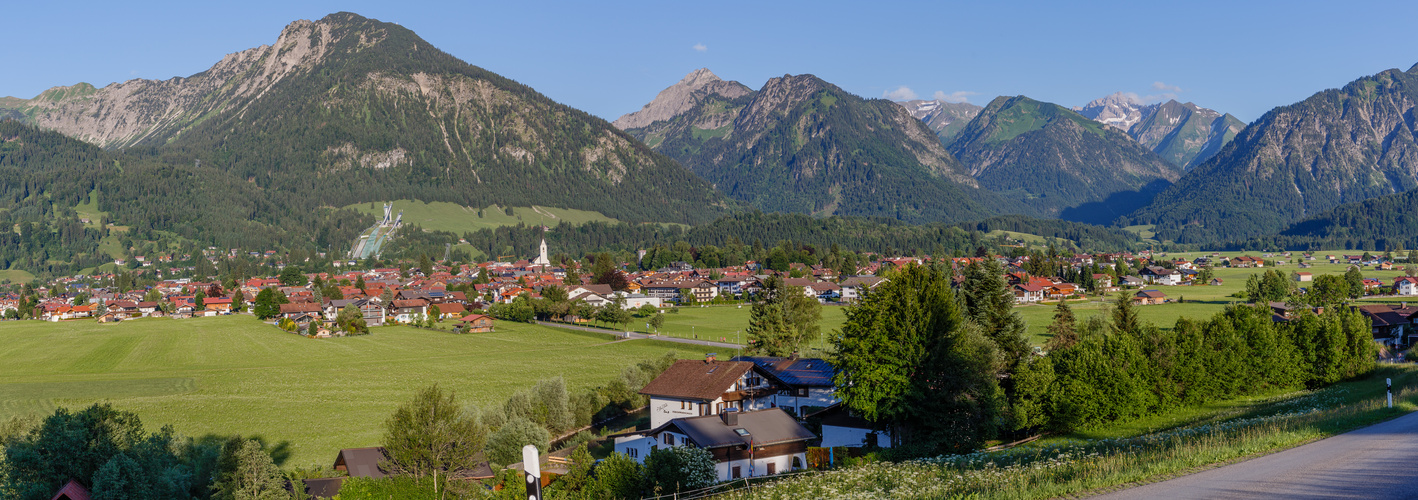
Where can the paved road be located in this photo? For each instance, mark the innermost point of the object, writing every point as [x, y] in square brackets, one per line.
[633, 335]
[1374, 462]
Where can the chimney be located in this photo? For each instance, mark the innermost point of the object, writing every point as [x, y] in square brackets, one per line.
[730, 416]
[709, 357]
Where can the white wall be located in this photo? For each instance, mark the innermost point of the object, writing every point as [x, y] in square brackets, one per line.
[663, 410]
[642, 445]
[850, 436]
[783, 464]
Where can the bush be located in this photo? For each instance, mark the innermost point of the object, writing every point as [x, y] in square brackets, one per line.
[505, 444]
[679, 469]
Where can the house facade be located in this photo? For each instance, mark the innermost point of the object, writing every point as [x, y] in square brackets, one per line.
[692, 388]
[805, 383]
[744, 444]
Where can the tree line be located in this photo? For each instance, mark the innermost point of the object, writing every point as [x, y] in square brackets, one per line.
[945, 369]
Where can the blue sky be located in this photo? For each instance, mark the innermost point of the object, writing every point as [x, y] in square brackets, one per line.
[610, 58]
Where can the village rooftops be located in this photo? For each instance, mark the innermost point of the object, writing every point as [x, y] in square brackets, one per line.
[764, 427]
[695, 379]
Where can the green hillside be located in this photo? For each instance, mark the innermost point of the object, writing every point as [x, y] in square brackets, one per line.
[1058, 161]
[457, 219]
[1337, 146]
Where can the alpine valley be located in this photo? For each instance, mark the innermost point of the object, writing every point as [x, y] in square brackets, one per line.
[272, 146]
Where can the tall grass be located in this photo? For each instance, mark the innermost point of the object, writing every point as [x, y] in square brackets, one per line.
[1071, 467]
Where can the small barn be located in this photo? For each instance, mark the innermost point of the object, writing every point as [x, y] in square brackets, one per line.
[475, 323]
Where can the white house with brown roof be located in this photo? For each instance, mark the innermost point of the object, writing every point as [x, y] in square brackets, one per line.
[743, 444]
[692, 388]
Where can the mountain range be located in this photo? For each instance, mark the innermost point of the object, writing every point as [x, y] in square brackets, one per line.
[1337, 146]
[800, 144]
[945, 118]
[348, 110]
[1058, 161]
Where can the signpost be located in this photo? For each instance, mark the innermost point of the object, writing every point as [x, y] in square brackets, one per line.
[1388, 382]
[532, 463]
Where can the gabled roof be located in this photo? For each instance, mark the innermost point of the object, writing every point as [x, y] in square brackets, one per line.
[362, 462]
[764, 427]
[793, 371]
[72, 490]
[695, 379]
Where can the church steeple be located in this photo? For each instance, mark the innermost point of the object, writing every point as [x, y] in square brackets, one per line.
[542, 259]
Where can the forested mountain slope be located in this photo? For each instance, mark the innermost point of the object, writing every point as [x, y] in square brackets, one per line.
[1058, 161]
[800, 144]
[1387, 222]
[1338, 146]
[347, 109]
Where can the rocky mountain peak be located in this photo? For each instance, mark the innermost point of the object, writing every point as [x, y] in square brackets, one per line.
[682, 97]
[1118, 110]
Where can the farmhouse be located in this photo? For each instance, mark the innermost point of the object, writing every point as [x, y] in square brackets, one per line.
[743, 444]
[1302, 276]
[1149, 297]
[1405, 285]
[475, 323]
[691, 388]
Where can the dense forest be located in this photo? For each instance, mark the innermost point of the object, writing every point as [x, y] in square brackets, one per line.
[752, 232]
[1386, 223]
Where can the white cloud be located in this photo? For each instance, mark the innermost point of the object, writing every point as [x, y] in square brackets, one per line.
[902, 93]
[957, 96]
[1165, 87]
[699, 47]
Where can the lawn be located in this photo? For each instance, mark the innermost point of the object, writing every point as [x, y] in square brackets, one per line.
[236, 375]
[458, 219]
[727, 322]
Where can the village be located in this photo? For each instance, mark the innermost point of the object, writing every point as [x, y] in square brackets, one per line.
[466, 296]
[756, 415]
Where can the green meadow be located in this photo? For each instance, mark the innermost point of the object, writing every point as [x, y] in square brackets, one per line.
[727, 322]
[458, 219]
[237, 375]
[1203, 301]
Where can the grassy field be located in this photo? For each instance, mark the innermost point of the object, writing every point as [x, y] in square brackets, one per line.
[236, 375]
[16, 276]
[444, 216]
[727, 322]
[1201, 301]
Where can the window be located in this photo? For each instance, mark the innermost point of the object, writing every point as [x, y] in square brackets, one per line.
[669, 439]
[736, 473]
[682, 404]
[632, 452]
[802, 392]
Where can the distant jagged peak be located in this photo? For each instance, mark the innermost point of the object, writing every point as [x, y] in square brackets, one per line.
[1115, 99]
[699, 78]
[681, 97]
